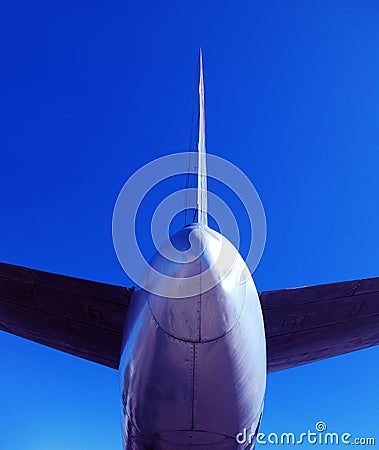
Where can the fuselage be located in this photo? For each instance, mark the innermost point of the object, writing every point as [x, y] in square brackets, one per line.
[193, 365]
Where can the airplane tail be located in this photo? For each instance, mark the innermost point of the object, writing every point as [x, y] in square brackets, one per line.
[202, 197]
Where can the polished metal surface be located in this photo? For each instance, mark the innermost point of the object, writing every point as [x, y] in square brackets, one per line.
[193, 370]
[86, 318]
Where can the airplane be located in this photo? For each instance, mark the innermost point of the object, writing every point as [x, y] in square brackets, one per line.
[192, 367]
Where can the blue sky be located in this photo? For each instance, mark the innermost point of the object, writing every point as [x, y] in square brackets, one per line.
[91, 91]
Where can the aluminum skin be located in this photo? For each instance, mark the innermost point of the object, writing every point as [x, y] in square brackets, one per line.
[193, 369]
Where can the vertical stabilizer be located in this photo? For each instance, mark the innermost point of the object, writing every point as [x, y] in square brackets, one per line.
[202, 201]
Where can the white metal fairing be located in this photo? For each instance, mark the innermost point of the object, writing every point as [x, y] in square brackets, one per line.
[193, 370]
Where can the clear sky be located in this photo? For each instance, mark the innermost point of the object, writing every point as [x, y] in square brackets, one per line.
[91, 91]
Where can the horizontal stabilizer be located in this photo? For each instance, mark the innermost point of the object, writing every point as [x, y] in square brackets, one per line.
[316, 322]
[80, 317]
[85, 318]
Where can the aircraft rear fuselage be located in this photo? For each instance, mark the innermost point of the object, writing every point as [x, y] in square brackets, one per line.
[193, 366]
